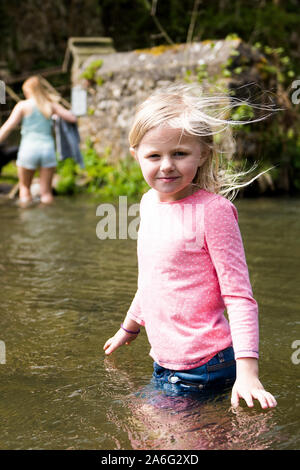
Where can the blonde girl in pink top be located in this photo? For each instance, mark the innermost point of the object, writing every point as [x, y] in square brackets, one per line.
[191, 260]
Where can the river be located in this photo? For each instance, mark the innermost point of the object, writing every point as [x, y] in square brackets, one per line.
[64, 292]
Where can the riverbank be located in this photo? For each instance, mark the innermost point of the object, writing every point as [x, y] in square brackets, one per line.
[109, 180]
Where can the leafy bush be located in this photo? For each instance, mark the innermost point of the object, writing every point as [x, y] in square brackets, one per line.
[100, 177]
[90, 72]
[67, 171]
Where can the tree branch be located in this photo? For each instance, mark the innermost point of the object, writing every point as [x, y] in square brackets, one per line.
[152, 10]
[193, 21]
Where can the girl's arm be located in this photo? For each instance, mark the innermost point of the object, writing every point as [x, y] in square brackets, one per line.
[122, 337]
[63, 113]
[248, 386]
[12, 122]
[133, 321]
[225, 245]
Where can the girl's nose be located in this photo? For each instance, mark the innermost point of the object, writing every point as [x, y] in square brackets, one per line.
[166, 164]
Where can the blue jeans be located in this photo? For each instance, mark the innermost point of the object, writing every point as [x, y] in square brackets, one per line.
[217, 374]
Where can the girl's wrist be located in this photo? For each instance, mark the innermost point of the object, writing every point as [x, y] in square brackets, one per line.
[131, 332]
[247, 366]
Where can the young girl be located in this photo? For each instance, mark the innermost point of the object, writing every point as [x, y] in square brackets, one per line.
[190, 253]
[37, 148]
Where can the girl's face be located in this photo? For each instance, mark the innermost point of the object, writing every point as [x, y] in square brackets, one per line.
[169, 162]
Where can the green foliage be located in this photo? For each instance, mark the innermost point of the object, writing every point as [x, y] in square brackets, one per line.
[67, 171]
[243, 112]
[109, 181]
[10, 170]
[202, 72]
[96, 167]
[188, 76]
[270, 26]
[278, 64]
[90, 72]
[125, 179]
[9, 173]
[232, 36]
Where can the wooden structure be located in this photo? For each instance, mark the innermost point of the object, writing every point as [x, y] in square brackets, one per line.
[81, 48]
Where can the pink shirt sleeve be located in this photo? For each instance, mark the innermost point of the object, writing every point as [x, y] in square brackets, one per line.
[225, 246]
[135, 311]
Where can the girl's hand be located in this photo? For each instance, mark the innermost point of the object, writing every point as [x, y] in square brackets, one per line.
[249, 389]
[248, 385]
[64, 113]
[120, 338]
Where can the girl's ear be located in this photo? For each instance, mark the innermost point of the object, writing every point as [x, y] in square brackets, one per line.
[133, 152]
[205, 153]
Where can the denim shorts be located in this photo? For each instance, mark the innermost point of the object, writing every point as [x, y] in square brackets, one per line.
[217, 374]
[35, 154]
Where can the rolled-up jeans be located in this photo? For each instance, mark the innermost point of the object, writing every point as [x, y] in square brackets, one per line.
[217, 374]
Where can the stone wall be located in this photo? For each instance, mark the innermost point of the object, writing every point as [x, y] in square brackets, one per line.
[127, 78]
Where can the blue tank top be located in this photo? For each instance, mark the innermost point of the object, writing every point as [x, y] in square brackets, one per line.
[36, 126]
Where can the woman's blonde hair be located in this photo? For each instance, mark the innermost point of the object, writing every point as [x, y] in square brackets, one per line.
[42, 96]
[206, 116]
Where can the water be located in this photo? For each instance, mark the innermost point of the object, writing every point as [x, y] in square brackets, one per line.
[64, 292]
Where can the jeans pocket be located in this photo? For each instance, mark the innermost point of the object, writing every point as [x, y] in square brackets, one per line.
[223, 376]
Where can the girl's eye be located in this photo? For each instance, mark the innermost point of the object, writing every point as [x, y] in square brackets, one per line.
[179, 154]
[154, 156]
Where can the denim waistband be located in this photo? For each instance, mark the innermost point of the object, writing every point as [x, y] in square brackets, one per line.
[220, 361]
[223, 360]
[218, 373]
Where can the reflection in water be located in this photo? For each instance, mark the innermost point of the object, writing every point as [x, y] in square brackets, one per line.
[160, 422]
[64, 292]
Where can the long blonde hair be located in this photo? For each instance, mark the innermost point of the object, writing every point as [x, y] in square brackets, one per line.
[206, 116]
[43, 97]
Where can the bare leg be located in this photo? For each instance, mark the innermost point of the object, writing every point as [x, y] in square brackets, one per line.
[25, 180]
[46, 176]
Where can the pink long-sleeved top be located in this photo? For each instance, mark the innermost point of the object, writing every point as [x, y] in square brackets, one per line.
[192, 268]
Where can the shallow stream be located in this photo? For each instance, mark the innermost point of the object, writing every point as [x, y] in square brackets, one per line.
[64, 292]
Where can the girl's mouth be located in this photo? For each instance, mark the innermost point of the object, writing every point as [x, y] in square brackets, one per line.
[168, 179]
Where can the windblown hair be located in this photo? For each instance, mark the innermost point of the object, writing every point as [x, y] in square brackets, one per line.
[43, 97]
[206, 116]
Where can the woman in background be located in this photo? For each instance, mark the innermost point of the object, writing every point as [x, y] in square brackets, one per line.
[37, 147]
